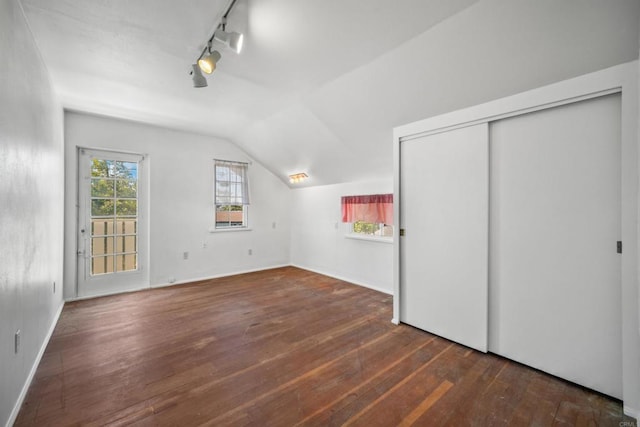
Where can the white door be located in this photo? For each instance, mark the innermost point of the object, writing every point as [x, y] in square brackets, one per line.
[111, 222]
[444, 214]
[555, 293]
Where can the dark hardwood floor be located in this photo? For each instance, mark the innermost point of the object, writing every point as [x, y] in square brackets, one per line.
[282, 347]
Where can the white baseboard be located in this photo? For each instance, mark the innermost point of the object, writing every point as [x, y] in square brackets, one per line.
[34, 368]
[233, 273]
[632, 412]
[176, 283]
[346, 279]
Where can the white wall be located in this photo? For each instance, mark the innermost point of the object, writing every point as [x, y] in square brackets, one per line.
[181, 202]
[492, 49]
[318, 239]
[31, 209]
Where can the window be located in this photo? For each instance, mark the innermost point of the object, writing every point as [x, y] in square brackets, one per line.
[113, 216]
[368, 216]
[371, 229]
[231, 194]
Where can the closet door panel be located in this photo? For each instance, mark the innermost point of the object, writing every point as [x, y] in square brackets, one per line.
[444, 212]
[555, 293]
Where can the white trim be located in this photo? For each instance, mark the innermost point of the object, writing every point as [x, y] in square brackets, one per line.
[512, 113]
[344, 279]
[370, 238]
[632, 412]
[213, 229]
[235, 273]
[106, 294]
[181, 282]
[218, 276]
[200, 279]
[34, 368]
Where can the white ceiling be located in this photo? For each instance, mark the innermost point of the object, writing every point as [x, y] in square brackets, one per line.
[320, 84]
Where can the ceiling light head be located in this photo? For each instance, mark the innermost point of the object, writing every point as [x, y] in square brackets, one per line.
[298, 177]
[232, 40]
[208, 62]
[198, 79]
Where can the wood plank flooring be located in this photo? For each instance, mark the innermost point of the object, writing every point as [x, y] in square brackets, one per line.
[283, 347]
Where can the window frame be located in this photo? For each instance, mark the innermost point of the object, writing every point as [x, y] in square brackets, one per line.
[244, 184]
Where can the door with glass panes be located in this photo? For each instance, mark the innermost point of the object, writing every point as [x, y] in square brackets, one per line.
[111, 222]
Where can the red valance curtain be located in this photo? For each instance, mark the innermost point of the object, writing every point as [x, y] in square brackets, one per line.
[375, 208]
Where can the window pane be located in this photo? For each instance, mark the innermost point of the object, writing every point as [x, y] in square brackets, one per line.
[126, 170]
[102, 265]
[222, 192]
[126, 244]
[102, 246]
[126, 207]
[101, 188]
[222, 173]
[101, 207]
[229, 216]
[126, 262]
[100, 227]
[101, 168]
[236, 194]
[126, 188]
[126, 225]
[366, 227]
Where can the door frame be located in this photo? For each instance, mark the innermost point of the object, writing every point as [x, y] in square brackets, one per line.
[136, 280]
[621, 79]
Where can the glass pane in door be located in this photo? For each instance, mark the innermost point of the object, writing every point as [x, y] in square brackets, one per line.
[114, 216]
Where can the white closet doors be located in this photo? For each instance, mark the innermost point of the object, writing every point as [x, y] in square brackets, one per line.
[555, 293]
[444, 215]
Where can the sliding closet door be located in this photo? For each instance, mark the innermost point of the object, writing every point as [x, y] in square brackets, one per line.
[555, 293]
[444, 215]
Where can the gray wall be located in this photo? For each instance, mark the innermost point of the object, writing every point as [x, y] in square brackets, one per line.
[31, 204]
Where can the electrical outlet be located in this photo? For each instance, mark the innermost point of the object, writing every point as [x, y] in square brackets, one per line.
[16, 342]
[273, 225]
[185, 255]
[250, 251]
[54, 287]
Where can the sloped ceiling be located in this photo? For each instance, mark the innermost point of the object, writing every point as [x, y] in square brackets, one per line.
[320, 84]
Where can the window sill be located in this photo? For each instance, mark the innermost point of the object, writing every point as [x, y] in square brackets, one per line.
[213, 229]
[377, 239]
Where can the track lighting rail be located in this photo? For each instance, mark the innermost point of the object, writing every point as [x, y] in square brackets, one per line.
[209, 57]
[221, 24]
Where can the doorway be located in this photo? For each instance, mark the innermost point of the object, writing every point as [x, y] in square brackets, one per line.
[112, 222]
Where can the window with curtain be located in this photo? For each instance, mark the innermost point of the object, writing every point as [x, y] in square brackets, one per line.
[231, 194]
[368, 215]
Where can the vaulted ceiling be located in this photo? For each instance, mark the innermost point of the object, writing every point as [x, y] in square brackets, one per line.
[320, 84]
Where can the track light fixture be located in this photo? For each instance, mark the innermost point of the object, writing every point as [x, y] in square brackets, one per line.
[208, 62]
[231, 40]
[209, 57]
[198, 78]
